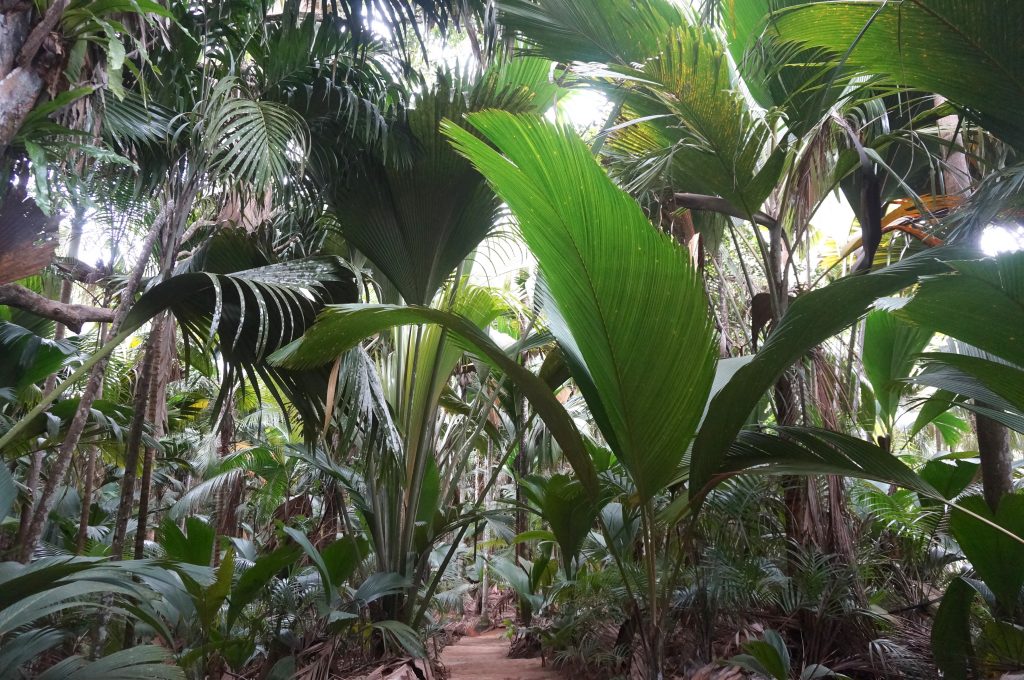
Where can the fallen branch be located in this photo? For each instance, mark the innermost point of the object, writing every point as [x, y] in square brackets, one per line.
[71, 315]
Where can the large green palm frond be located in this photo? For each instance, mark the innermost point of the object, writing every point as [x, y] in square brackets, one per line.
[683, 123]
[688, 125]
[969, 52]
[810, 319]
[605, 31]
[622, 295]
[891, 346]
[416, 221]
[799, 81]
[988, 296]
[51, 586]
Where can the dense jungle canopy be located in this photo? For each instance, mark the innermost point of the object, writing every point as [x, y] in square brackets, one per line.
[670, 338]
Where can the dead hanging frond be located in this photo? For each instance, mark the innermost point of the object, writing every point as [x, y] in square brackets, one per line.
[810, 180]
[919, 220]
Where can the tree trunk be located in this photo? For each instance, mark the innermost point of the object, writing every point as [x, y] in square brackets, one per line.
[132, 444]
[524, 613]
[89, 394]
[89, 488]
[151, 380]
[27, 59]
[996, 459]
[231, 497]
[157, 414]
[19, 91]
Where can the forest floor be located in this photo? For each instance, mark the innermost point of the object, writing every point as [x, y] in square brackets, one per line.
[485, 657]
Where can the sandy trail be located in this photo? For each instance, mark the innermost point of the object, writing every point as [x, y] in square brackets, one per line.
[484, 658]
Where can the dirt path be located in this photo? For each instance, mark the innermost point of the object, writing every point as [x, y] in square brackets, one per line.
[484, 658]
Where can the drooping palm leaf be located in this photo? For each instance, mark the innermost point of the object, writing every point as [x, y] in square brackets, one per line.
[970, 392]
[804, 450]
[622, 294]
[980, 302]
[1002, 379]
[145, 662]
[30, 358]
[252, 313]
[249, 313]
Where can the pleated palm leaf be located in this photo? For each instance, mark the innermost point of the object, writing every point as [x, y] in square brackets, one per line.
[988, 296]
[890, 349]
[349, 98]
[417, 220]
[621, 295]
[245, 315]
[602, 31]
[48, 600]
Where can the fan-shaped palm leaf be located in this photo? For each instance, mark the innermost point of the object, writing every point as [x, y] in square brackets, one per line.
[417, 221]
[890, 349]
[594, 30]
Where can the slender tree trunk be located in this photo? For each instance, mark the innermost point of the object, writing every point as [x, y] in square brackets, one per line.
[74, 245]
[92, 387]
[35, 467]
[132, 444]
[157, 414]
[150, 380]
[523, 612]
[89, 488]
[996, 459]
[231, 497]
[88, 481]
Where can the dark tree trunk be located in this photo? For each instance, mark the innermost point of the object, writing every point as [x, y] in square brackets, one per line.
[231, 497]
[993, 437]
[132, 445]
[996, 459]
